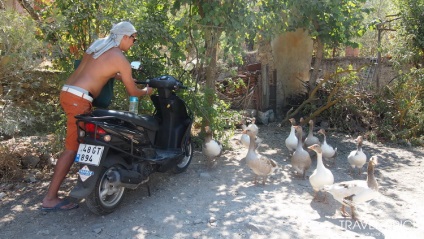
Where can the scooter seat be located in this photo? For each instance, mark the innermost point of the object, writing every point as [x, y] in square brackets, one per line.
[146, 121]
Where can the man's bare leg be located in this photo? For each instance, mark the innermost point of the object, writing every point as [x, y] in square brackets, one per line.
[61, 169]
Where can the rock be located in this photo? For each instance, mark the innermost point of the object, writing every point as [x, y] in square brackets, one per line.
[198, 221]
[253, 227]
[43, 232]
[271, 116]
[97, 230]
[266, 117]
[2, 195]
[263, 117]
[251, 113]
[30, 161]
[204, 175]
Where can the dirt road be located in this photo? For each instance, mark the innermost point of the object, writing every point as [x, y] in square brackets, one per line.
[223, 202]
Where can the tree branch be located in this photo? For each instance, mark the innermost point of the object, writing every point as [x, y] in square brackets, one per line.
[329, 101]
[27, 6]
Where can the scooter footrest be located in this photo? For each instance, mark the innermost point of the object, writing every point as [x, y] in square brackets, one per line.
[166, 155]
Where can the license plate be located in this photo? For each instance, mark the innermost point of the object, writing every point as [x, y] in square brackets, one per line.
[89, 154]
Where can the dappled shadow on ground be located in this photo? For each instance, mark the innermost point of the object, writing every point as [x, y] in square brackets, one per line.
[223, 202]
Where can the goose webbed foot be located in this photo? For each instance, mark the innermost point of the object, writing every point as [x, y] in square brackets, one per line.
[315, 198]
[354, 214]
[325, 201]
[263, 180]
[343, 211]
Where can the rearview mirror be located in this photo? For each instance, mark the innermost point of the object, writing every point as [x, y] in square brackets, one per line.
[136, 65]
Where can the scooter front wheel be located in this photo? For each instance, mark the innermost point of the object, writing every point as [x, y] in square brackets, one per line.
[186, 160]
[107, 194]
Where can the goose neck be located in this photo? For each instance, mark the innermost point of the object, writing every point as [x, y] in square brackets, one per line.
[320, 163]
[371, 181]
[252, 143]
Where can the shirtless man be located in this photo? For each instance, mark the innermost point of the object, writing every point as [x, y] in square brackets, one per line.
[102, 61]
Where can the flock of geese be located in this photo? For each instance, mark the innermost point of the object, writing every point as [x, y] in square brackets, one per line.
[302, 150]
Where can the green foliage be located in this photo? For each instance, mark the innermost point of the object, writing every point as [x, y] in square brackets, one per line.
[218, 115]
[20, 50]
[235, 20]
[394, 114]
[409, 43]
[331, 21]
[22, 85]
[382, 9]
[405, 108]
[71, 26]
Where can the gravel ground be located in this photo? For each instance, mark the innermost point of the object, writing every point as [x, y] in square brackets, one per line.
[223, 202]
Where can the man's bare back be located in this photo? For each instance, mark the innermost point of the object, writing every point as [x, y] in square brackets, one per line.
[92, 74]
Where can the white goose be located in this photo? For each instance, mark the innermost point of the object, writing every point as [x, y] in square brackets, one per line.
[321, 176]
[357, 158]
[300, 160]
[211, 148]
[301, 123]
[328, 152]
[253, 127]
[311, 139]
[291, 140]
[260, 165]
[351, 193]
[245, 139]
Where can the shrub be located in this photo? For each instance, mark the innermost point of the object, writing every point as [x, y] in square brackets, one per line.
[24, 108]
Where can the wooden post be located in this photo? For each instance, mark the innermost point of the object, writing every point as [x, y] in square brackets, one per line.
[377, 79]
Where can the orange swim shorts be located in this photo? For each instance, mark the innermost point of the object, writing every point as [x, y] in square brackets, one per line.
[73, 105]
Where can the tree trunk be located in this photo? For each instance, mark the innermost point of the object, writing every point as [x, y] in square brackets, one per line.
[291, 56]
[212, 36]
[2, 6]
[317, 65]
[27, 6]
[211, 55]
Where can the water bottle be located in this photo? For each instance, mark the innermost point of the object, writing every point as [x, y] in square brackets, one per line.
[134, 104]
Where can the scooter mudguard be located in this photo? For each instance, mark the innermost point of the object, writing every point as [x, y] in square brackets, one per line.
[87, 179]
[88, 175]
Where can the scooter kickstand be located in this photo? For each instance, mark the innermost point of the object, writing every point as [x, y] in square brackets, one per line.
[148, 189]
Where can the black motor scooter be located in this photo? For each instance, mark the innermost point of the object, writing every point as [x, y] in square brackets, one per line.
[120, 149]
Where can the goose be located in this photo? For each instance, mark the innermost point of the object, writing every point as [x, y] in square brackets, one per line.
[300, 160]
[321, 176]
[311, 139]
[328, 152]
[357, 158]
[252, 126]
[291, 140]
[301, 123]
[211, 148]
[354, 192]
[245, 139]
[260, 165]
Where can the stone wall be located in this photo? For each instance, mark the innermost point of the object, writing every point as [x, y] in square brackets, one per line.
[284, 68]
[368, 72]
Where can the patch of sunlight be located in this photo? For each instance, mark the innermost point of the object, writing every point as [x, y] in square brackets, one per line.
[7, 218]
[18, 208]
[169, 219]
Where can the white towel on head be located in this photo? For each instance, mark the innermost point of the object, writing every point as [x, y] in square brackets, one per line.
[117, 32]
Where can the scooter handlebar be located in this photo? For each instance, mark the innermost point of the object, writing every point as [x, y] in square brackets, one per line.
[164, 82]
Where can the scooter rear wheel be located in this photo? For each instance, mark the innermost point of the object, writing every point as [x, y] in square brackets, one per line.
[185, 162]
[107, 194]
